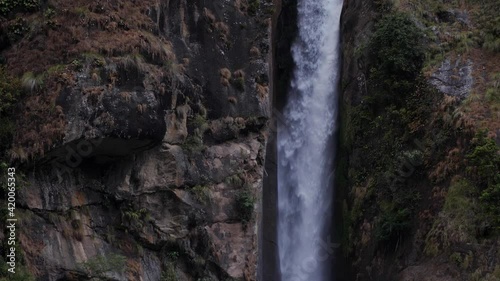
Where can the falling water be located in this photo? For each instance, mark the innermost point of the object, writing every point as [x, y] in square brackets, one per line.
[305, 146]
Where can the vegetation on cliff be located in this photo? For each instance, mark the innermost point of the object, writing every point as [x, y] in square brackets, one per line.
[142, 79]
[421, 167]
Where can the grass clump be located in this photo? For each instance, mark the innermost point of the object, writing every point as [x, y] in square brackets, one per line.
[393, 222]
[32, 82]
[245, 202]
[100, 265]
[201, 193]
[169, 273]
[9, 96]
[459, 219]
[198, 125]
[253, 7]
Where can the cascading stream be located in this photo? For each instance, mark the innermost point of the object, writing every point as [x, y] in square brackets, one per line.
[305, 145]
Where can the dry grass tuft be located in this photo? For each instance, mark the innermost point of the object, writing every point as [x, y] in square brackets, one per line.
[232, 100]
[255, 52]
[262, 91]
[225, 76]
[239, 74]
[209, 15]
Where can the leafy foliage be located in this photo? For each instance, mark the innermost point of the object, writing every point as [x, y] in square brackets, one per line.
[9, 92]
[9, 6]
[134, 218]
[484, 166]
[22, 274]
[484, 159]
[245, 202]
[398, 55]
[488, 21]
[9, 95]
[392, 223]
[253, 6]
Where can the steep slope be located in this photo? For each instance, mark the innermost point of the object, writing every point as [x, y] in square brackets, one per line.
[139, 136]
[419, 139]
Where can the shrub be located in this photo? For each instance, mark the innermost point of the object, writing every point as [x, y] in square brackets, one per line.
[9, 95]
[239, 84]
[245, 202]
[392, 223]
[397, 54]
[253, 7]
[31, 82]
[484, 160]
[484, 164]
[9, 92]
[10, 6]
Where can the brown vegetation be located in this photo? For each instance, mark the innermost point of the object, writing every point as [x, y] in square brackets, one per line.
[81, 35]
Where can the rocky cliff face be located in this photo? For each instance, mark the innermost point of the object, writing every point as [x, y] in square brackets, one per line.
[141, 137]
[415, 207]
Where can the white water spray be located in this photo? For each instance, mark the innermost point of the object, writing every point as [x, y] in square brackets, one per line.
[306, 149]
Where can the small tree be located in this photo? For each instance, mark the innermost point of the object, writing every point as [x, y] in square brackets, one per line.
[397, 56]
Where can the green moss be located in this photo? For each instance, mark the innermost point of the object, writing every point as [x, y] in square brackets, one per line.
[169, 273]
[99, 265]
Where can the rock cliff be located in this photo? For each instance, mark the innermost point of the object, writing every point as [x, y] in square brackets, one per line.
[140, 137]
[418, 81]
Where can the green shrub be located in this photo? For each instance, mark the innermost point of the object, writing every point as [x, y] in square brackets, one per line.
[484, 159]
[32, 82]
[239, 83]
[245, 202]
[134, 218]
[10, 6]
[201, 193]
[397, 56]
[484, 166]
[392, 223]
[9, 95]
[253, 7]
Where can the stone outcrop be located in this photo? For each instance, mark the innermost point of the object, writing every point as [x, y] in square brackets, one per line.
[454, 78]
[160, 162]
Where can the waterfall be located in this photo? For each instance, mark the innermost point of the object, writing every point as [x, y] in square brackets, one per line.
[305, 144]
